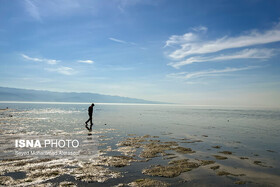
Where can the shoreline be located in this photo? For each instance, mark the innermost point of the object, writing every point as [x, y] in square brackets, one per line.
[148, 104]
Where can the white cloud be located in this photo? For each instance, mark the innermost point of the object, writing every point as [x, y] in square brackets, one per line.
[86, 61]
[117, 40]
[48, 61]
[244, 54]
[200, 28]
[190, 44]
[176, 39]
[213, 72]
[62, 70]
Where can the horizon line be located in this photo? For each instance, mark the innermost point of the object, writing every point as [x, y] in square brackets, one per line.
[143, 104]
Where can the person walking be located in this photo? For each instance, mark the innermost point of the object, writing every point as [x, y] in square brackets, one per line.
[90, 111]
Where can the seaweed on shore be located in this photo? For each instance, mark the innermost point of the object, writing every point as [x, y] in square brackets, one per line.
[148, 182]
[173, 169]
[217, 147]
[116, 161]
[240, 182]
[222, 173]
[226, 152]
[183, 150]
[260, 163]
[214, 167]
[151, 150]
[219, 157]
[206, 162]
[91, 173]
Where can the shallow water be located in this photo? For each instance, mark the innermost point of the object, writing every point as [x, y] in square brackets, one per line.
[246, 132]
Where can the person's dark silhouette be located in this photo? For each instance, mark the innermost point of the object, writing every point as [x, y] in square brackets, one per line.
[90, 111]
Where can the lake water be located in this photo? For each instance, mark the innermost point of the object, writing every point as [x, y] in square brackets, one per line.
[250, 136]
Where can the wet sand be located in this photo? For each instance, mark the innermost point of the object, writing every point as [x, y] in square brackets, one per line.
[151, 160]
[137, 159]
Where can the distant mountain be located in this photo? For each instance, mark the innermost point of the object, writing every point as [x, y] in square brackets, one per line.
[16, 94]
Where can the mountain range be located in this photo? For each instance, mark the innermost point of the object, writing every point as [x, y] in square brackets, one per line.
[17, 94]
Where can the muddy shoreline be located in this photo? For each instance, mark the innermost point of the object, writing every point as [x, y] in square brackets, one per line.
[150, 160]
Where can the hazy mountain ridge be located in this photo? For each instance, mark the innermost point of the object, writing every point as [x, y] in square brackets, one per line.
[17, 94]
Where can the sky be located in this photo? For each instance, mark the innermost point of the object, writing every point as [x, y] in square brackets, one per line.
[194, 52]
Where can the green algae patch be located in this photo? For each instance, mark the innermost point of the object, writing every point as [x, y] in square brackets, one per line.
[148, 182]
[217, 147]
[153, 149]
[163, 171]
[47, 173]
[214, 167]
[260, 163]
[183, 150]
[116, 161]
[206, 162]
[127, 151]
[257, 162]
[184, 164]
[219, 157]
[11, 159]
[91, 173]
[226, 152]
[6, 180]
[40, 170]
[225, 173]
[173, 169]
[222, 173]
[240, 182]
[132, 141]
[147, 136]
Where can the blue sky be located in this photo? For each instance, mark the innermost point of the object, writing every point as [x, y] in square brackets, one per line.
[191, 52]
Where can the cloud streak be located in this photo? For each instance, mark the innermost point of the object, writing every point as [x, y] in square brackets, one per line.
[42, 9]
[32, 9]
[122, 41]
[86, 61]
[244, 54]
[208, 73]
[48, 61]
[177, 39]
[191, 45]
[200, 28]
[118, 40]
[62, 70]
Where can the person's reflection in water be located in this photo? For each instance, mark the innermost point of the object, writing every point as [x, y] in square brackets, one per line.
[90, 111]
[89, 134]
